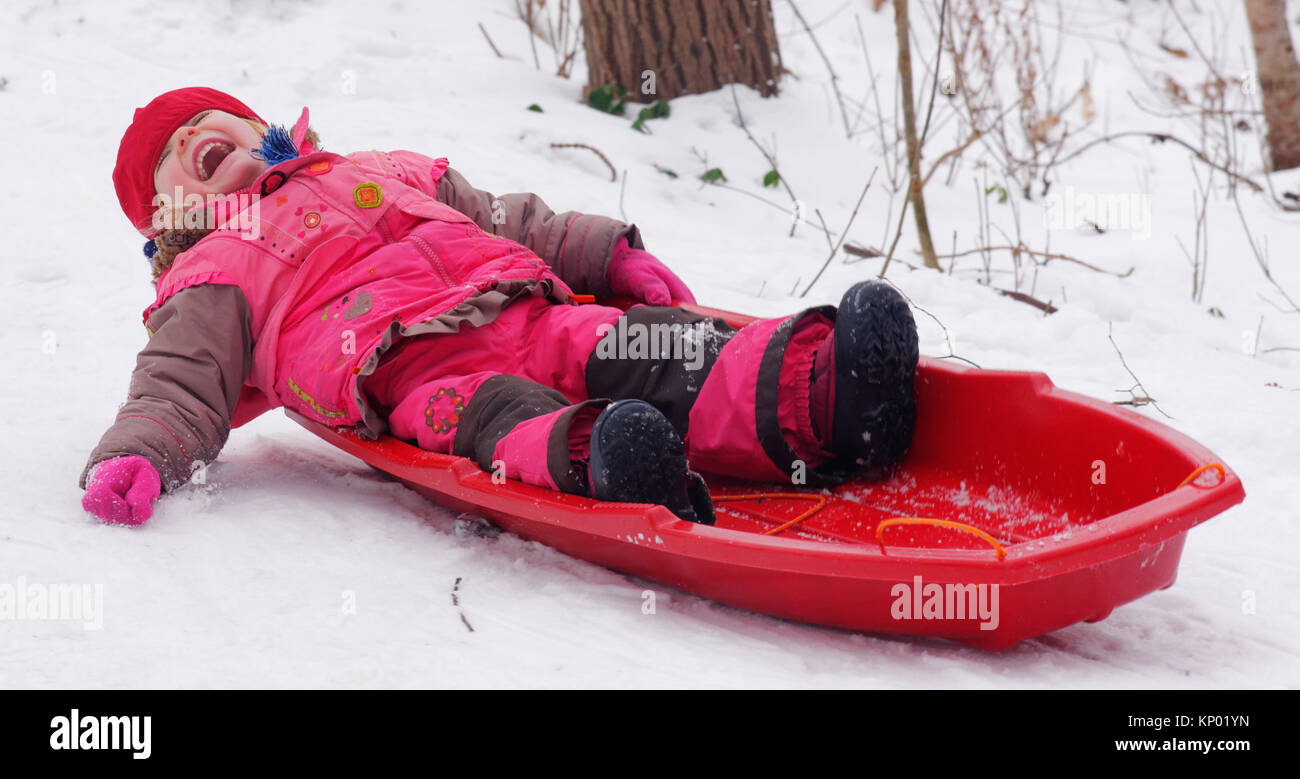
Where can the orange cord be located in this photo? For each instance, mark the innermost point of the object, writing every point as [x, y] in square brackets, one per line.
[759, 496]
[1001, 551]
[880, 530]
[1191, 478]
[583, 298]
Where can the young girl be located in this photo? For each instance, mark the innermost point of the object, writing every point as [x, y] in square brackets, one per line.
[381, 291]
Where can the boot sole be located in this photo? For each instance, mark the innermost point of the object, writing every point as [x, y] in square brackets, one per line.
[627, 436]
[876, 353]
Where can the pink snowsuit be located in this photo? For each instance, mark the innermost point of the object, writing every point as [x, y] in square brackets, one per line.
[372, 304]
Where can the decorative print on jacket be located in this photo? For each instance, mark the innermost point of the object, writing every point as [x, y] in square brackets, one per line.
[367, 195]
[444, 409]
[362, 305]
[311, 219]
[310, 401]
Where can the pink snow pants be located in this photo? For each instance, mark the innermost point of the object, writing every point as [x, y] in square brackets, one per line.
[518, 395]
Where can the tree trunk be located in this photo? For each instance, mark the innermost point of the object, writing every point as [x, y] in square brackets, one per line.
[660, 49]
[914, 193]
[1279, 80]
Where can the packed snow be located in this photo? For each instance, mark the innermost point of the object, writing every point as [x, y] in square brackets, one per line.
[296, 566]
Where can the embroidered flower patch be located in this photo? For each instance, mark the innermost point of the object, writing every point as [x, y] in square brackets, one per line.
[444, 410]
[367, 195]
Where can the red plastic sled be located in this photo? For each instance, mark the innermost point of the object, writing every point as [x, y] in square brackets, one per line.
[1070, 506]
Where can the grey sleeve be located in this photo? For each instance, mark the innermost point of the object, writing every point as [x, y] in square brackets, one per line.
[185, 384]
[577, 246]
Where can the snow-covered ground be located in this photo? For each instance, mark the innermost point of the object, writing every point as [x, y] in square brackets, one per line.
[250, 580]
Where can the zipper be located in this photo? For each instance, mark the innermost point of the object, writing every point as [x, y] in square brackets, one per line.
[429, 254]
[433, 258]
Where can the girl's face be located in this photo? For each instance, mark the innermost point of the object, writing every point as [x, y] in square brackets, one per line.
[209, 155]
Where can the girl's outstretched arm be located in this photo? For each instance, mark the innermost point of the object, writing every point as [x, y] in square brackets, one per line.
[186, 383]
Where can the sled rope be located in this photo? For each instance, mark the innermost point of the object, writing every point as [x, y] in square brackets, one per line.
[1194, 475]
[760, 496]
[880, 530]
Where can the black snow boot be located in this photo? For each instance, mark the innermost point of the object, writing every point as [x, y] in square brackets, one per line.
[637, 457]
[875, 363]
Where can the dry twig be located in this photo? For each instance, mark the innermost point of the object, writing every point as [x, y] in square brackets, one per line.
[1047, 257]
[836, 247]
[495, 50]
[1163, 138]
[1135, 399]
[1261, 256]
[835, 85]
[613, 173]
[1045, 307]
[455, 601]
[771, 158]
[947, 337]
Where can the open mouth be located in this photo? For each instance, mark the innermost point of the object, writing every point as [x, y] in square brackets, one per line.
[209, 156]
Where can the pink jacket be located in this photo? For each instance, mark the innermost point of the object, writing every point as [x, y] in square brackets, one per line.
[344, 256]
[348, 256]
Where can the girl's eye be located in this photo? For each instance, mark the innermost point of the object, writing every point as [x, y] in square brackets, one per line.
[191, 123]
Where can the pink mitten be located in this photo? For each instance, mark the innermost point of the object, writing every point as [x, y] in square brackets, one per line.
[637, 274]
[121, 491]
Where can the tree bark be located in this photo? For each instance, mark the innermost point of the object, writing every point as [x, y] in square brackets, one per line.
[1279, 80]
[660, 49]
[914, 192]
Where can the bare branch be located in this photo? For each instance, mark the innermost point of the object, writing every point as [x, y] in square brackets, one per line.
[1162, 138]
[495, 50]
[947, 337]
[836, 248]
[771, 159]
[1260, 256]
[954, 152]
[1046, 308]
[915, 194]
[1047, 257]
[834, 78]
[1136, 399]
[613, 173]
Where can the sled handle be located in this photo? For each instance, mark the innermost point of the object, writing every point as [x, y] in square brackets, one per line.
[760, 496]
[1194, 475]
[880, 530]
